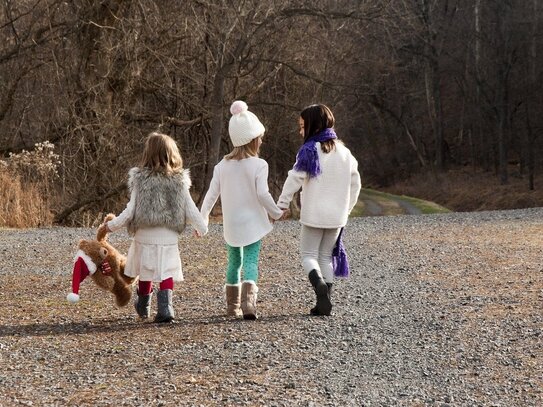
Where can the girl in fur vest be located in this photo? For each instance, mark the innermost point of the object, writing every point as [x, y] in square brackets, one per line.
[328, 175]
[160, 206]
[241, 181]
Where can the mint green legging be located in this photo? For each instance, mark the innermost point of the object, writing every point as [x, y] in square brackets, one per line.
[245, 257]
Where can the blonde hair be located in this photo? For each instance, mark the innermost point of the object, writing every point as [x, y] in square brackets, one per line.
[161, 154]
[245, 151]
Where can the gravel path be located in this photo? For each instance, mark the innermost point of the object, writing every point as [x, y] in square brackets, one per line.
[372, 208]
[408, 207]
[441, 310]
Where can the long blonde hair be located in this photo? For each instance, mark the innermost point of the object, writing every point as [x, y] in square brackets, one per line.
[161, 154]
[245, 151]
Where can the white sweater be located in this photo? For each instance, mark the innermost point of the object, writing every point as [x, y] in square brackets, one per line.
[245, 199]
[327, 199]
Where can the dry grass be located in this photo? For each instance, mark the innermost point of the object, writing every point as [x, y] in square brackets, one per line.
[26, 181]
[22, 205]
[465, 191]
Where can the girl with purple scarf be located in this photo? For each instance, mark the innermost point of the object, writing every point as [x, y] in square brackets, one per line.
[327, 173]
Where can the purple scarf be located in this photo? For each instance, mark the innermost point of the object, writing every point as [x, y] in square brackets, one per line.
[307, 158]
[340, 262]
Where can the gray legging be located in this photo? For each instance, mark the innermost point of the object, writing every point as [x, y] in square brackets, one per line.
[316, 247]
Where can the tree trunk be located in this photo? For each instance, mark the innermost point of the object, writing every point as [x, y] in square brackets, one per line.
[502, 89]
[485, 148]
[217, 119]
[433, 98]
[534, 83]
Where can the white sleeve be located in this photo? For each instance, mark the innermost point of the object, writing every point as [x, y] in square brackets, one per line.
[263, 193]
[356, 184]
[193, 215]
[125, 216]
[294, 182]
[211, 196]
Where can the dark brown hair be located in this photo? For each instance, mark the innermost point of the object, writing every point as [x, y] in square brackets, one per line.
[317, 118]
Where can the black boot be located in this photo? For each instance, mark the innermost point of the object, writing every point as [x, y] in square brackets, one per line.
[313, 310]
[165, 308]
[143, 305]
[323, 306]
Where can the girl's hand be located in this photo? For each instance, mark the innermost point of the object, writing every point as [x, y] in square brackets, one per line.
[286, 214]
[106, 267]
[103, 229]
[196, 234]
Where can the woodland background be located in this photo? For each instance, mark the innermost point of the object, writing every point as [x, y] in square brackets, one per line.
[439, 99]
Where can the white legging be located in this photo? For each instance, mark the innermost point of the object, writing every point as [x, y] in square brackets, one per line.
[316, 247]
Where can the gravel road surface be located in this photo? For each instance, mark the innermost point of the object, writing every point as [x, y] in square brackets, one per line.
[440, 310]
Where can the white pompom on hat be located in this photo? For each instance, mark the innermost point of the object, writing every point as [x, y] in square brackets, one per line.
[244, 126]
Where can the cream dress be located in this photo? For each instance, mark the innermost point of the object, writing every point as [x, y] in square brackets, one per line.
[154, 252]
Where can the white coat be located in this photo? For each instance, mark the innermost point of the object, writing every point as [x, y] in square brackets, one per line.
[245, 198]
[327, 199]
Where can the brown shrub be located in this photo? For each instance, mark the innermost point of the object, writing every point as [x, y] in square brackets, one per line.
[464, 191]
[22, 205]
[25, 187]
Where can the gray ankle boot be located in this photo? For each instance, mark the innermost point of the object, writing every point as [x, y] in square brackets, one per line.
[165, 308]
[324, 305]
[143, 305]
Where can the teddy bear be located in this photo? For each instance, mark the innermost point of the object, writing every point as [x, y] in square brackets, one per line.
[105, 265]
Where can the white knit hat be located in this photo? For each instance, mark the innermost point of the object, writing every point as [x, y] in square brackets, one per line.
[244, 125]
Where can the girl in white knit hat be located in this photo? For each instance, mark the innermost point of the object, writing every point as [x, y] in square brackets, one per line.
[328, 175]
[241, 181]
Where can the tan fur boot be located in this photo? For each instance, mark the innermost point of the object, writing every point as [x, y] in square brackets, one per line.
[248, 300]
[233, 300]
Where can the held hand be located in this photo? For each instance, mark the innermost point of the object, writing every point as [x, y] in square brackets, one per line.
[105, 267]
[196, 234]
[103, 229]
[286, 214]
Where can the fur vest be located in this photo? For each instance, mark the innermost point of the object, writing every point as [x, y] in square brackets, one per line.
[160, 199]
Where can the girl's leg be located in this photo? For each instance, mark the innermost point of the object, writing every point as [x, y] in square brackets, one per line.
[165, 312]
[233, 269]
[329, 238]
[310, 242]
[145, 287]
[249, 288]
[167, 284]
[143, 302]
[233, 286]
[250, 261]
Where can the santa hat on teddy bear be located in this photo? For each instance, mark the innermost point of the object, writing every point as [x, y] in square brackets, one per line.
[83, 266]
